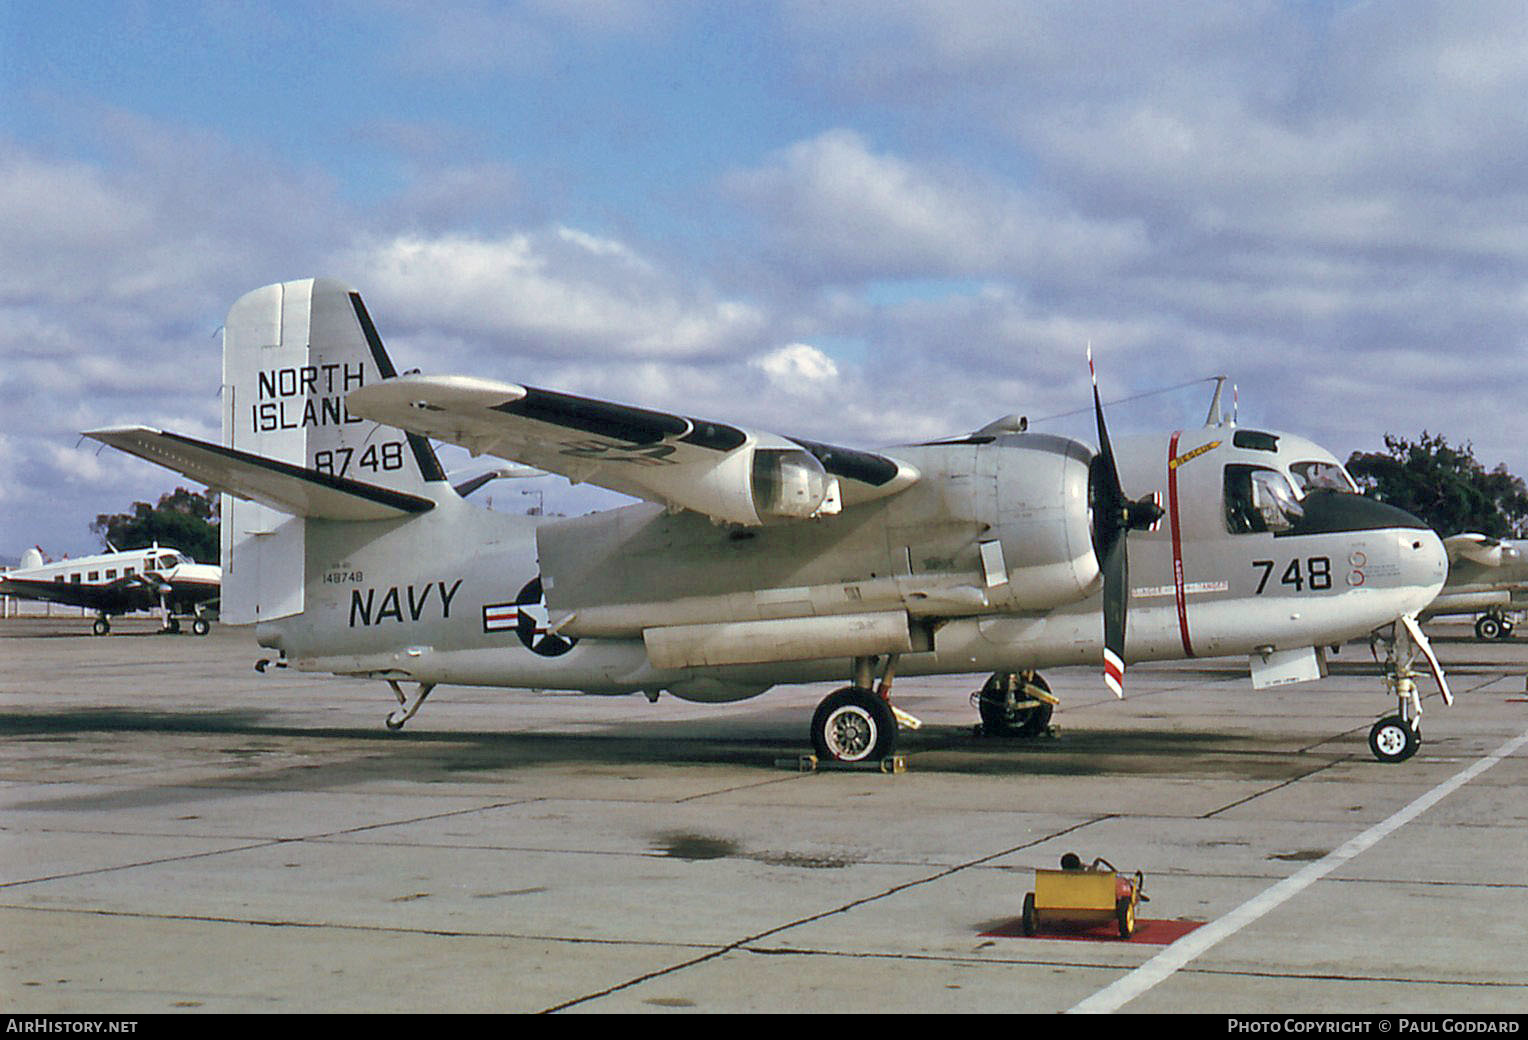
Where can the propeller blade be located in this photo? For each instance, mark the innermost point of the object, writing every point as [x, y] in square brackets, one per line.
[1113, 493]
[1116, 570]
[1114, 517]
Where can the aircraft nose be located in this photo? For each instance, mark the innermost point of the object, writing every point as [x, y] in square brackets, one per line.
[1424, 564]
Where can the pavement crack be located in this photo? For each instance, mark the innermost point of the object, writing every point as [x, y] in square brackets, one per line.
[747, 942]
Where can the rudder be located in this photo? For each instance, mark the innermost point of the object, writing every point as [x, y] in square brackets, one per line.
[291, 352]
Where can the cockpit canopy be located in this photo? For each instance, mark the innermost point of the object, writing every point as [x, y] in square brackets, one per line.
[1259, 499]
[1318, 474]
[1270, 497]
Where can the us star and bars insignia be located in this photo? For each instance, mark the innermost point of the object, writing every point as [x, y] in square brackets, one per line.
[527, 617]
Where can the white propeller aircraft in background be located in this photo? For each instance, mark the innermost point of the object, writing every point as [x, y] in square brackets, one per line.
[757, 558]
[157, 578]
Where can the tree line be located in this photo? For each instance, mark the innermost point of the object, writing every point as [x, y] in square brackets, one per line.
[183, 519]
[1444, 485]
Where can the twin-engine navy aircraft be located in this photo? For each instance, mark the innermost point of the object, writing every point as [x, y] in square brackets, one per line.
[756, 558]
[157, 578]
[1486, 576]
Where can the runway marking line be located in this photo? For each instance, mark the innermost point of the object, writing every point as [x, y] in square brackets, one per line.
[1185, 950]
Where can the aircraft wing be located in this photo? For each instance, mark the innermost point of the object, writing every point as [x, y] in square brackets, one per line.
[1481, 549]
[116, 597]
[280, 485]
[713, 468]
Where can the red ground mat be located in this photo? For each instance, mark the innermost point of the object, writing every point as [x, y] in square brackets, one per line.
[1156, 933]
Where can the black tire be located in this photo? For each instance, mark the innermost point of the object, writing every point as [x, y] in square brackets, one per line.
[1392, 739]
[1487, 627]
[1030, 924]
[1506, 629]
[853, 725]
[998, 720]
[101, 626]
[200, 626]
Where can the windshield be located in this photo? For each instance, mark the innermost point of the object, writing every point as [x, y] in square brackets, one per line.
[1316, 476]
[1258, 500]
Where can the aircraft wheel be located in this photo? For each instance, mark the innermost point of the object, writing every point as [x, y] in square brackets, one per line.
[200, 626]
[394, 722]
[853, 725]
[1030, 924]
[1487, 627]
[999, 720]
[1393, 740]
[101, 626]
[1506, 630]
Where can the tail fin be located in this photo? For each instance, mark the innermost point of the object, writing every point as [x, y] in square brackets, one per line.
[291, 352]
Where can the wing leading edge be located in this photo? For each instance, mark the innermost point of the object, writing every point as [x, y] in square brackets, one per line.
[728, 473]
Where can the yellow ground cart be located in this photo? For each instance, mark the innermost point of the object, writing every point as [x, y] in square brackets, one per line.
[1077, 895]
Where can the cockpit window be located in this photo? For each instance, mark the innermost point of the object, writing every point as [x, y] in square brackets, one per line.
[1256, 440]
[1315, 476]
[1259, 500]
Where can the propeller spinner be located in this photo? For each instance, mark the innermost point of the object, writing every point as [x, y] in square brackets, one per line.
[1114, 516]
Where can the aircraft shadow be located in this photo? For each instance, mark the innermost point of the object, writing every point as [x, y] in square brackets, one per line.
[425, 756]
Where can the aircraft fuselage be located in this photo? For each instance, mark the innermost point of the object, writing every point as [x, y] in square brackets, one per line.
[987, 559]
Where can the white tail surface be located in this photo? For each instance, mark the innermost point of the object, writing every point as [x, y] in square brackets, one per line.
[291, 352]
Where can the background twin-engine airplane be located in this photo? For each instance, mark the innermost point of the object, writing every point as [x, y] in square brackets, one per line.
[158, 578]
[1486, 576]
[757, 559]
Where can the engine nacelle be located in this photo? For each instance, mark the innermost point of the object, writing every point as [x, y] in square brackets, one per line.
[752, 485]
[790, 484]
[1039, 554]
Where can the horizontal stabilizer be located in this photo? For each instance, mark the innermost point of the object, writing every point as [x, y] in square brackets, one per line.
[280, 485]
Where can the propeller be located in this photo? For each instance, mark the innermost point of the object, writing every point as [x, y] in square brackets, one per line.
[1114, 517]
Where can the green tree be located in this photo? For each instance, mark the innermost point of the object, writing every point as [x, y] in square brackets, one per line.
[1444, 486]
[186, 520]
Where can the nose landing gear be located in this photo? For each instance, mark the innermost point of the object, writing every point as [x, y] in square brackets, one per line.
[1395, 738]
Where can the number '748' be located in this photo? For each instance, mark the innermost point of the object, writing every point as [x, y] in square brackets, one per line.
[1314, 572]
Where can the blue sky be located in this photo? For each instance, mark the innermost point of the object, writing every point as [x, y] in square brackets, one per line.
[855, 221]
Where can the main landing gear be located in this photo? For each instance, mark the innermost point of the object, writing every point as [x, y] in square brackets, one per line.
[1014, 704]
[1494, 625]
[858, 722]
[199, 626]
[1395, 738]
[102, 625]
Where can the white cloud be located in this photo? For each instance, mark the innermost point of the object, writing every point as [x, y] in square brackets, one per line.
[1323, 201]
[555, 294]
[797, 365]
[842, 211]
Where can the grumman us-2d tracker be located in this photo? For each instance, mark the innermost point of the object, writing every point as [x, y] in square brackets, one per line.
[757, 558]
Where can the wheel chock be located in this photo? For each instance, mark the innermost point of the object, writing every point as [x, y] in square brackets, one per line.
[812, 764]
